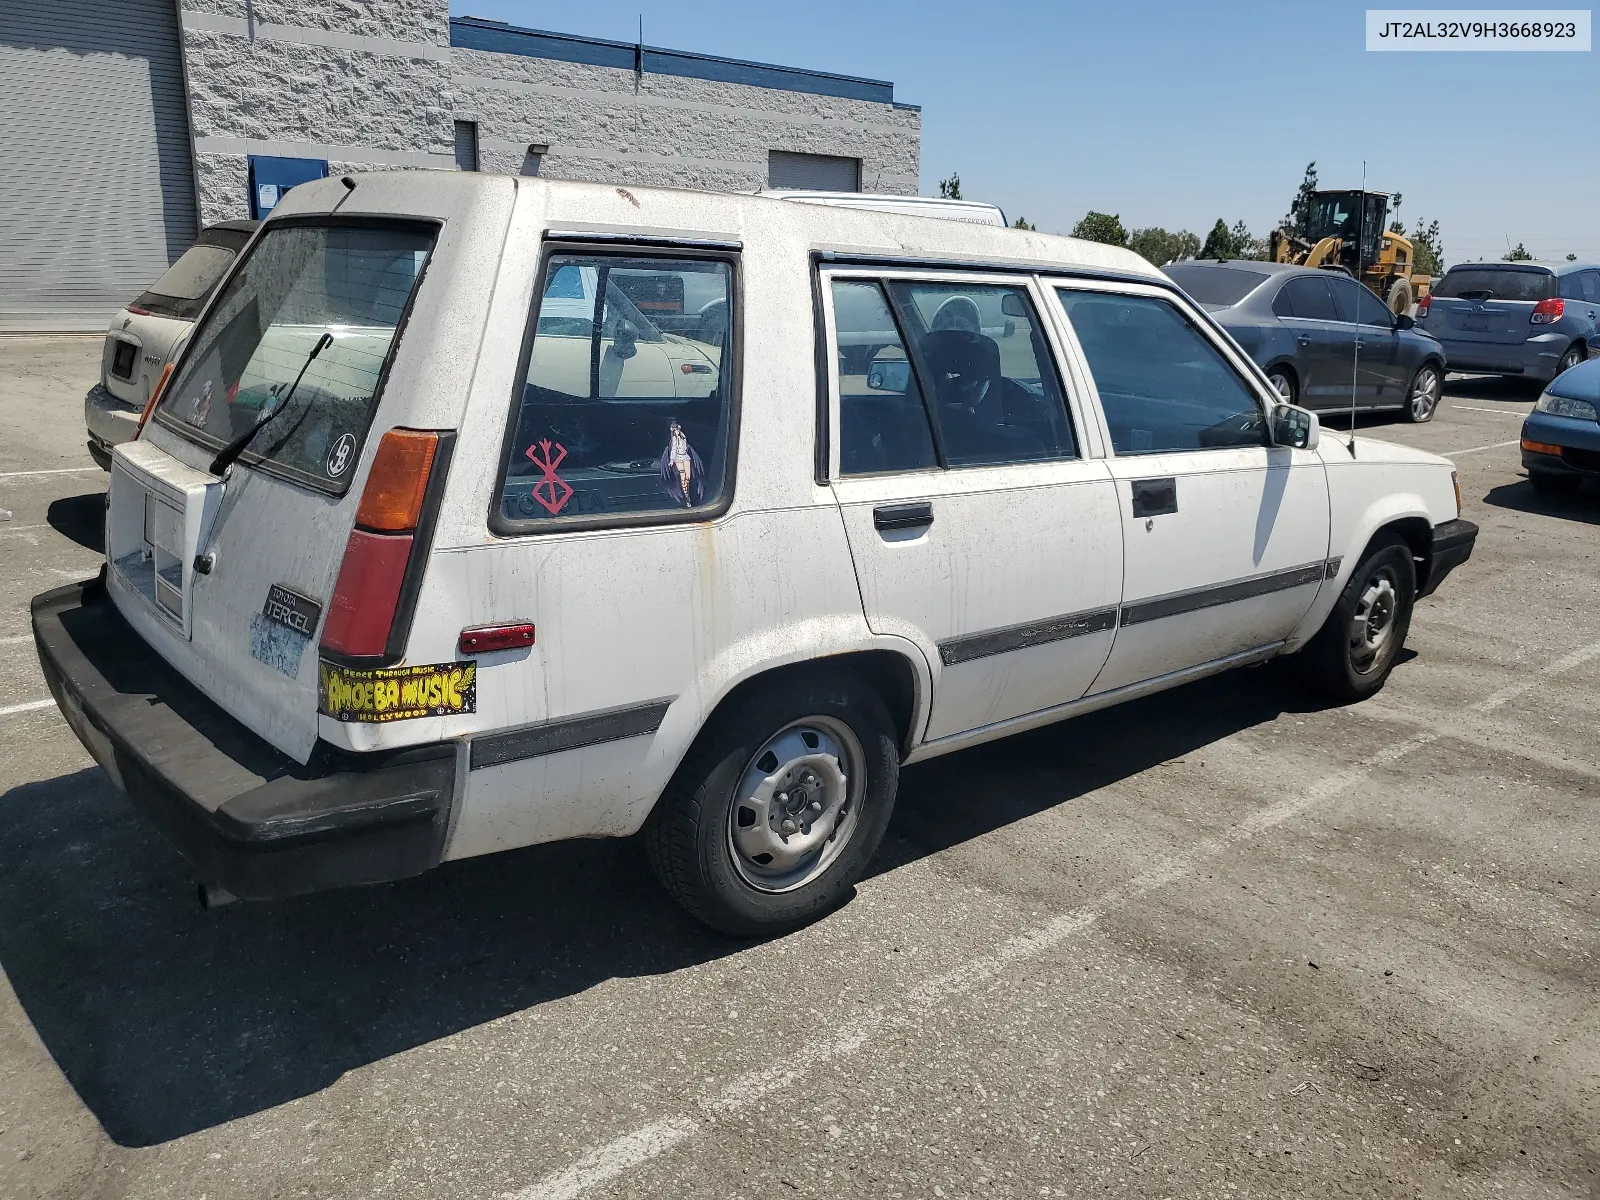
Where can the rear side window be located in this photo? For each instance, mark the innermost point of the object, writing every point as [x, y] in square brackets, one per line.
[1495, 283]
[1163, 386]
[1307, 297]
[626, 411]
[351, 283]
[1571, 286]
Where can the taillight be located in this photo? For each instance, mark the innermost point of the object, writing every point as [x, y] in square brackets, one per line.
[485, 639]
[1422, 305]
[155, 397]
[1547, 312]
[137, 311]
[369, 615]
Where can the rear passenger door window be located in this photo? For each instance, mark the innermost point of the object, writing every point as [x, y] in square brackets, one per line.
[626, 411]
[1163, 386]
[943, 374]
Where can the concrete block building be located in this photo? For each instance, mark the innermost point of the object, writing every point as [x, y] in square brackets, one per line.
[125, 126]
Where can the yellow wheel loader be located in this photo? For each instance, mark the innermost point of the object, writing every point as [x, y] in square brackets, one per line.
[1349, 232]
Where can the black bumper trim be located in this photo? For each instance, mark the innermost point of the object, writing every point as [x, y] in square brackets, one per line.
[1452, 546]
[247, 817]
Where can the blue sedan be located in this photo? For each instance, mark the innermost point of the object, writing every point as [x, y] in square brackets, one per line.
[1561, 437]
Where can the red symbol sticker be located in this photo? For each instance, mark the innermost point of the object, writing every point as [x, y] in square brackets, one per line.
[551, 491]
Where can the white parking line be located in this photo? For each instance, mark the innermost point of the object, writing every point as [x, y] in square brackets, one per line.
[30, 706]
[1499, 412]
[53, 471]
[615, 1158]
[1475, 449]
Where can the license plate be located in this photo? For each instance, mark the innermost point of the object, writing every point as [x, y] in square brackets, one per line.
[1478, 325]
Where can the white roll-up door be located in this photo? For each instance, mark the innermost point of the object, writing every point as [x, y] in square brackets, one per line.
[813, 172]
[96, 182]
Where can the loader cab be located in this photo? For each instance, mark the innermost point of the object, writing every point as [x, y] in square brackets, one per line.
[1357, 218]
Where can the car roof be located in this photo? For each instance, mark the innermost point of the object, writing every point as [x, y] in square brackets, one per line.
[1560, 268]
[1246, 264]
[659, 213]
[978, 211]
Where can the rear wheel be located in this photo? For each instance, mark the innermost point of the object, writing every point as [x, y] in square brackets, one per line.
[1400, 296]
[1422, 397]
[1575, 354]
[777, 810]
[1548, 483]
[1282, 383]
[1352, 654]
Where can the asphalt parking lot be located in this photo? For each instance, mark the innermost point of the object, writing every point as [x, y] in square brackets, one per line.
[1227, 941]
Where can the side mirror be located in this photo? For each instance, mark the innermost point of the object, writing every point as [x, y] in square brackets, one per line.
[1404, 321]
[1297, 428]
[889, 375]
[625, 341]
[1013, 305]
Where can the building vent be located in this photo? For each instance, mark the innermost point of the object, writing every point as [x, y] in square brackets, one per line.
[466, 145]
[813, 172]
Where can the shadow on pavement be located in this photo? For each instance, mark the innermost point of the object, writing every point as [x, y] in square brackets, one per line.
[81, 519]
[1492, 389]
[168, 1019]
[1583, 506]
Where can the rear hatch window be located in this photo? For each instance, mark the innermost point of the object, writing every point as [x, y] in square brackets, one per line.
[1496, 283]
[299, 282]
[182, 289]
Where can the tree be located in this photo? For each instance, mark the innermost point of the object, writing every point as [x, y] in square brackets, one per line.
[950, 189]
[1298, 218]
[1520, 254]
[1159, 247]
[1427, 248]
[1397, 225]
[1023, 223]
[1101, 227]
[1237, 242]
[1219, 243]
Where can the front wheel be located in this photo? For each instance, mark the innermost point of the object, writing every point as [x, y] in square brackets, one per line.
[1352, 654]
[779, 807]
[1422, 397]
[1283, 384]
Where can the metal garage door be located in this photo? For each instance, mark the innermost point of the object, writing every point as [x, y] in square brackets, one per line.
[813, 172]
[96, 183]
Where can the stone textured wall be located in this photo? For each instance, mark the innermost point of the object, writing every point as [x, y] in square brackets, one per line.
[671, 130]
[374, 84]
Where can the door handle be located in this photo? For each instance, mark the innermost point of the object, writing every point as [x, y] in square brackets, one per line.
[1155, 497]
[1303, 338]
[902, 516]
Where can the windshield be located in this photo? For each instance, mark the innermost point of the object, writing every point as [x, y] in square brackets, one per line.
[300, 282]
[1496, 283]
[1333, 216]
[183, 287]
[1222, 286]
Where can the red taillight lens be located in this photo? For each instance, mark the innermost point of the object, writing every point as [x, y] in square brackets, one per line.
[368, 591]
[1547, 312]
[155, 398]
[367, 597]
[1422, 305]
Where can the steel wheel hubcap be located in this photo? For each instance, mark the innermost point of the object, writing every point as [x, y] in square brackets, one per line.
[1425, 393]
[1372, 625]
[796, 805]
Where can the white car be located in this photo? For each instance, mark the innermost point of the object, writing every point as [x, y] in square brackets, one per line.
[146, 335]
[397, 572]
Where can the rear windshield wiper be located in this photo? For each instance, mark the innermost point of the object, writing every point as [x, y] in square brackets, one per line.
[233, 449]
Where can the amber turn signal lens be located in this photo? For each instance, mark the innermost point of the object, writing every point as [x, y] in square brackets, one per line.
[1455, 482]
[392, 500]
[1540, 447]
[155, 398]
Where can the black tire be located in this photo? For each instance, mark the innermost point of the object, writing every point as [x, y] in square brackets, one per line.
[1548, 483]
[1575, 354]
[1283, 383]
[1330, 661]
[1420, 408]
[690, 834]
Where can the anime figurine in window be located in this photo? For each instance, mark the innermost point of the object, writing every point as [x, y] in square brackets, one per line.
[683, 475]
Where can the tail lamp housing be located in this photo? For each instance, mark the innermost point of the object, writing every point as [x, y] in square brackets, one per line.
[369, 616]
[1548, 312]
[1424, 304]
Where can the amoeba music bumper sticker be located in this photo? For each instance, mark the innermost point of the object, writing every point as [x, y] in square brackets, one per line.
[397, 693]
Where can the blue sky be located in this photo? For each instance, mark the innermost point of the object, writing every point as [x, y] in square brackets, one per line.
[1175, 113]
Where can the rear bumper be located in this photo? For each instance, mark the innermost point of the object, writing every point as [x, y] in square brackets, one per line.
[110, 423]
[1535, 358]
[246, 817]
[1452, 546]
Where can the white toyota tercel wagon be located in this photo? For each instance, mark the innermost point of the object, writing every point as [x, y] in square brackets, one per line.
[481, 511]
